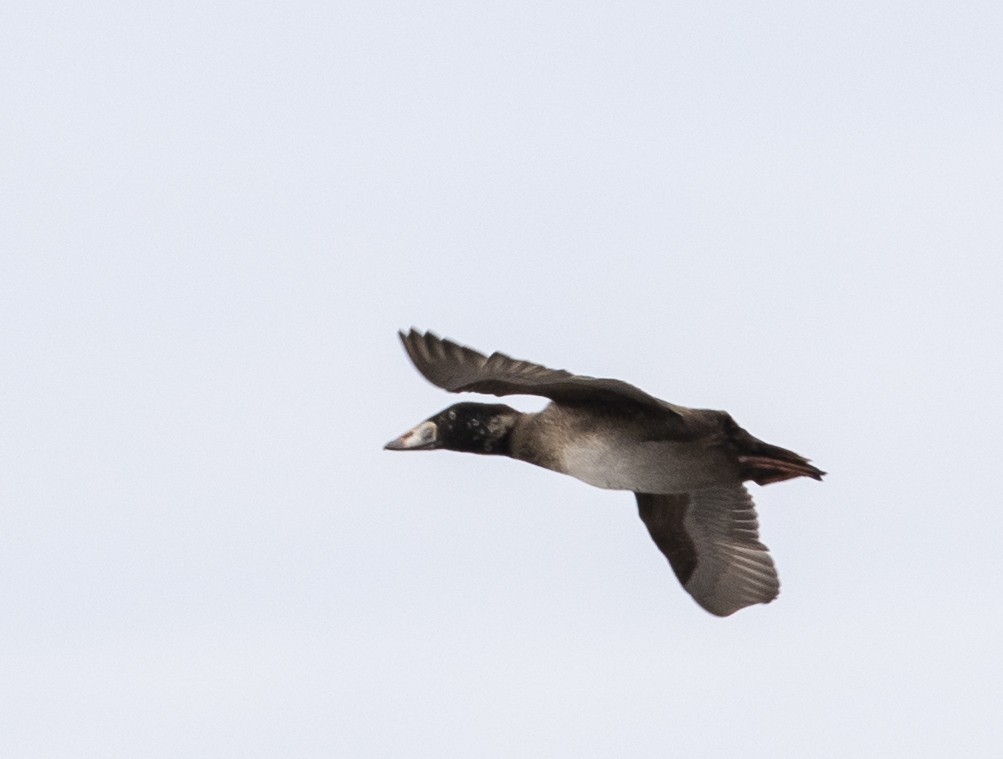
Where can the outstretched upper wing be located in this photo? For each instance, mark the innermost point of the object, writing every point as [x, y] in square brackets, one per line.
[458, 369]
[711, 539]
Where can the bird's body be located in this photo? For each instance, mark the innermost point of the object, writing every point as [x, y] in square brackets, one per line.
[685, 466]
[621, 449]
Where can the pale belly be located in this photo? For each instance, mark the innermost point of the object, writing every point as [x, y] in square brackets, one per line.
[647, 467]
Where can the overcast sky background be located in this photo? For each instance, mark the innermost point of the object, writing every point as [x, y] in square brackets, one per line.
[214, 218]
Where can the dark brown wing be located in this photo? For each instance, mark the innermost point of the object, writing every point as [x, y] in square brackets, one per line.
[711, 539]
[458, 369]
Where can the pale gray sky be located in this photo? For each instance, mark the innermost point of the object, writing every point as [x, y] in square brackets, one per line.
[213, 220]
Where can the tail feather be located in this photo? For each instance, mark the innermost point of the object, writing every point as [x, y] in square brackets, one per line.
[764, 463]
[764, 469]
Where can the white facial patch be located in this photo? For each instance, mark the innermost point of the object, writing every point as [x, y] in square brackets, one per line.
[422, 436]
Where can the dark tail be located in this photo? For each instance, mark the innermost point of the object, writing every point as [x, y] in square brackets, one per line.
[764, 463]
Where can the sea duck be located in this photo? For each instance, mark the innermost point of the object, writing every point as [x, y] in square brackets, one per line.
[685, 466]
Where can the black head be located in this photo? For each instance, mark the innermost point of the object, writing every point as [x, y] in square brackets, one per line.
[468, 427]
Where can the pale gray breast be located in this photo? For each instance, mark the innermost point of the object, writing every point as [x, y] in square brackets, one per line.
[624, 463]
[622, 452]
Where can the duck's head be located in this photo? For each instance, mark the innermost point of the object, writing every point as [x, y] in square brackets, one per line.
[467, 427]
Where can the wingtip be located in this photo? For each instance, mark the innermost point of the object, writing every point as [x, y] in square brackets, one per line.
[421, 347]
[409, 336]
[416, 333]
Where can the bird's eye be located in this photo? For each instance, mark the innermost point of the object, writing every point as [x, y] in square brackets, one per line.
[475, 423]
[452, 414]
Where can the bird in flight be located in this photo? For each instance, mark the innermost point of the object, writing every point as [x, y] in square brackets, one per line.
[686, 467]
